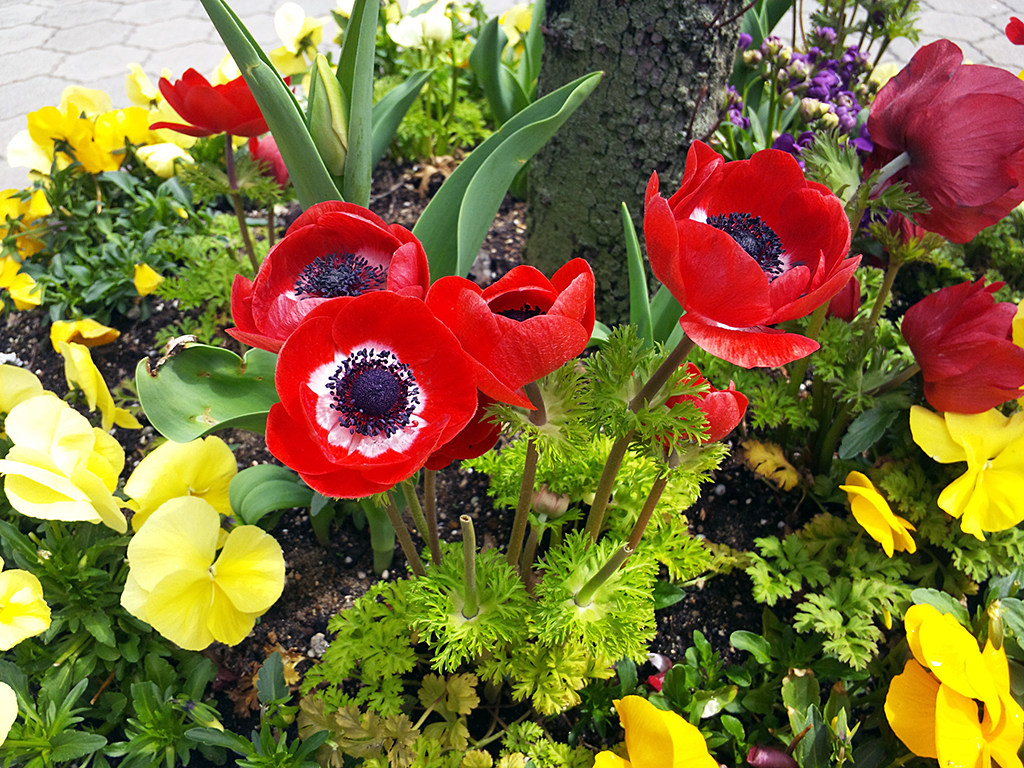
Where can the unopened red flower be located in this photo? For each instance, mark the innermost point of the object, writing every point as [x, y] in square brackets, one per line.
[844, 305]
[522, 327]
[723, 408]
[962, 339]
[265, 150]
[745, 245]
[370, 387]
[212, 109]
[333, 249]
[475, 439]
[962, 128]
[1015, 31]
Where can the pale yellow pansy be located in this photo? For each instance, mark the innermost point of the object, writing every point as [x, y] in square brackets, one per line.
[23, 614]
[188, 593]
[8, 710]
[163, 158]
[85, 331]
[81, 372]
[17, 384]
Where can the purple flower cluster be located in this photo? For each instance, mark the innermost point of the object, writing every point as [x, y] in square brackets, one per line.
[734, 107]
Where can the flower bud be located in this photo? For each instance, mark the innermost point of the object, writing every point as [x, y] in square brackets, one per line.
[752, 58]
[995, 625]
[328, 116]
[769, 757]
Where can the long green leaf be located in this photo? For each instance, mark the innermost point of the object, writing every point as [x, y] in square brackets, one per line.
[456, 221]
[313, 184]
[533, 49]
[201, 389]
[485, 61]
[639, 301]
[665, 314]
[358, 84]
[389, 112]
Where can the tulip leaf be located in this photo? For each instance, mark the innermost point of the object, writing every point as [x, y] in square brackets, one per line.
[639, 301]
[665, 314]
[355, 73]
[257, 491]
[389, 112]
[456, 221]
[200, 389]
[495, 78]
[313, 184]
[533, 50]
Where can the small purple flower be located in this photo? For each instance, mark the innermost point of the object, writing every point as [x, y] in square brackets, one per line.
[863, 142]
[826, 34]
[744, 41]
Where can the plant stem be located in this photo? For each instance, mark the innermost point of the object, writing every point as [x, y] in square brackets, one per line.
[271, 226]
[584, 597]
[539, 418]
[796, 376]
[907, 373]
[645, 514]
[236, 201]
[603, 493]
[889, 170]
[404, 538]
[409, 491]
[663, 374]
[883, 293]
[530, 552]
[472, 605]
[430, 512]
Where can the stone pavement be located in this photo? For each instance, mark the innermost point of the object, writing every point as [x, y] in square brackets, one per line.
[46, 45]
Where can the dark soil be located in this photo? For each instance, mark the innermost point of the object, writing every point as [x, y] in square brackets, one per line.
[734, 510]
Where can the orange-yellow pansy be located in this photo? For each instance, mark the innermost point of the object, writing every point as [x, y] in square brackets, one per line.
[872, 511]
[656, 738]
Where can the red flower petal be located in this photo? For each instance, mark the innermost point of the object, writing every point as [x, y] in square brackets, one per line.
[748, 347]
[1015, 31]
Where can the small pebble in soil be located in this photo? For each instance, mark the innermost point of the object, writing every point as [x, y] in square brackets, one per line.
[719, 490]
[348, 560]
[317, 645]
[360, 574]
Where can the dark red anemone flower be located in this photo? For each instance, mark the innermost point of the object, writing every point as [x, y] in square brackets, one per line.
[212, 109]
[723, 408]
[370, 387]
[963, 340]
[333, 249]
[1015, 31]
[265, 150]
[522, 327]
[745, 245]
[475, 439]
[844, 305]
[962, 129]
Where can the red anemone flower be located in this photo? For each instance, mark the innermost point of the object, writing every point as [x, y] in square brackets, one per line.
[333, 249]
[844, 305]
[1015, 31]
[962, 339]
[962, 128]
[723, 408]
[265, 150]
[369, 387]
[475, 439]
[745, 245]
[212, 109]
[522, 327]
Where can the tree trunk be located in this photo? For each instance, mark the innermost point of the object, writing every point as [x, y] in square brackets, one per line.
[666, 64]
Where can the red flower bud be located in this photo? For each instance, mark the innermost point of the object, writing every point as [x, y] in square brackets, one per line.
[212, 109]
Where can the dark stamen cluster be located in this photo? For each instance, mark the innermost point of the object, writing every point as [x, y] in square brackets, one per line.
[339, 274]
[374, 393]
[524, 312]
[755, 237]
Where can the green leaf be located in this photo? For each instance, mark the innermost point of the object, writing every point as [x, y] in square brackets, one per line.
[754, 644]
[255, 491]
[355, 73]
[665, 314]
[389, 112]
[639, 301]
[73, 744]
[866, 429]
[666, 593]
[270, 684]
[499, 85]
[313, 184]
[218, 738]
[942, 602]
[533, 48]
[626, 671]
[456, 221]
[97, 624]
[201, 389]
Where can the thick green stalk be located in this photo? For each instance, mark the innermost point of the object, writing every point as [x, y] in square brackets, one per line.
[525, 503]
[645, 514]
[236, 201]
[430, 512]
[472, 605]
[584, 597]
[883, 293]
[404, 538]
[799, 369]
[409, 491]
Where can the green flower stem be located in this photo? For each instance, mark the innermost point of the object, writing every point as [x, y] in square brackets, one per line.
[236, 201]
[799, 370]
[823, 460]
[538, 418]
[530, 552]
[404, 538]
[409, 491]
[271, 226]
[645, 514]
[907, 373]
[889, 170]
[430, 513]
[663, 374]
[883, 292]
[472, 605]
[585, 596]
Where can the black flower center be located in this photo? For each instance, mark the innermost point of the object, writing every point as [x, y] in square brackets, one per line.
[339, 274]
[755, 237]
[524, 312]
[374, 393]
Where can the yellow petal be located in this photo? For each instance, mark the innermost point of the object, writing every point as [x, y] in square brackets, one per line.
[958, 739]
[23, 611]
[659, 739]
[250, 569]
[8, 710]
[16, 385]
[146, 279]
[910, 708]
[943, 646]
[872, 511]
[44, 493]
[25, 293]
[77, 100]
[81, 372]
[226, 623]
[162, 160]
[180, 536]
[610, 760]
[134, 598]
[49, 425]
[24, 152]
[932, 435]
[99, 496]
[86, 331]
[179, 608]
[139, 88]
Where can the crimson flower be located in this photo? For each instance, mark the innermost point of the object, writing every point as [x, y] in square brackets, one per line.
[333, 249]
[265, 150]
[522, 327]
[723, 408]
[369, 387]
[475, 439]
[962, 339]
[844, 305]
[1015, 31]
[745, 245]
[961, 127]
[212, 109]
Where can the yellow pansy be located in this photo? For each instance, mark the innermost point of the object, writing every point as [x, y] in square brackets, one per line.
[140, 89]
[86, 331]
[23, 152]
[226, 71]
[515, 21]
[8, 710]
[301, 36]
[162, 158]
[146, 279]
[656, 739]
[24, 290]
[17, 384]
[84, 102]
[936, 713]
[180, 586]
[1018, 325]
[60, 467]
[872, 511]
[81, 372]
[202, 468]
[14, 209]
[23, 614]
[989, 496]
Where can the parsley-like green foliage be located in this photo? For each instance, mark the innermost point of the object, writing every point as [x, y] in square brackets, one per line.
[437, 599]
[529, 739]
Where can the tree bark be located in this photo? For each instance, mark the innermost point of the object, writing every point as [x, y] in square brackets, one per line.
[666, 64]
